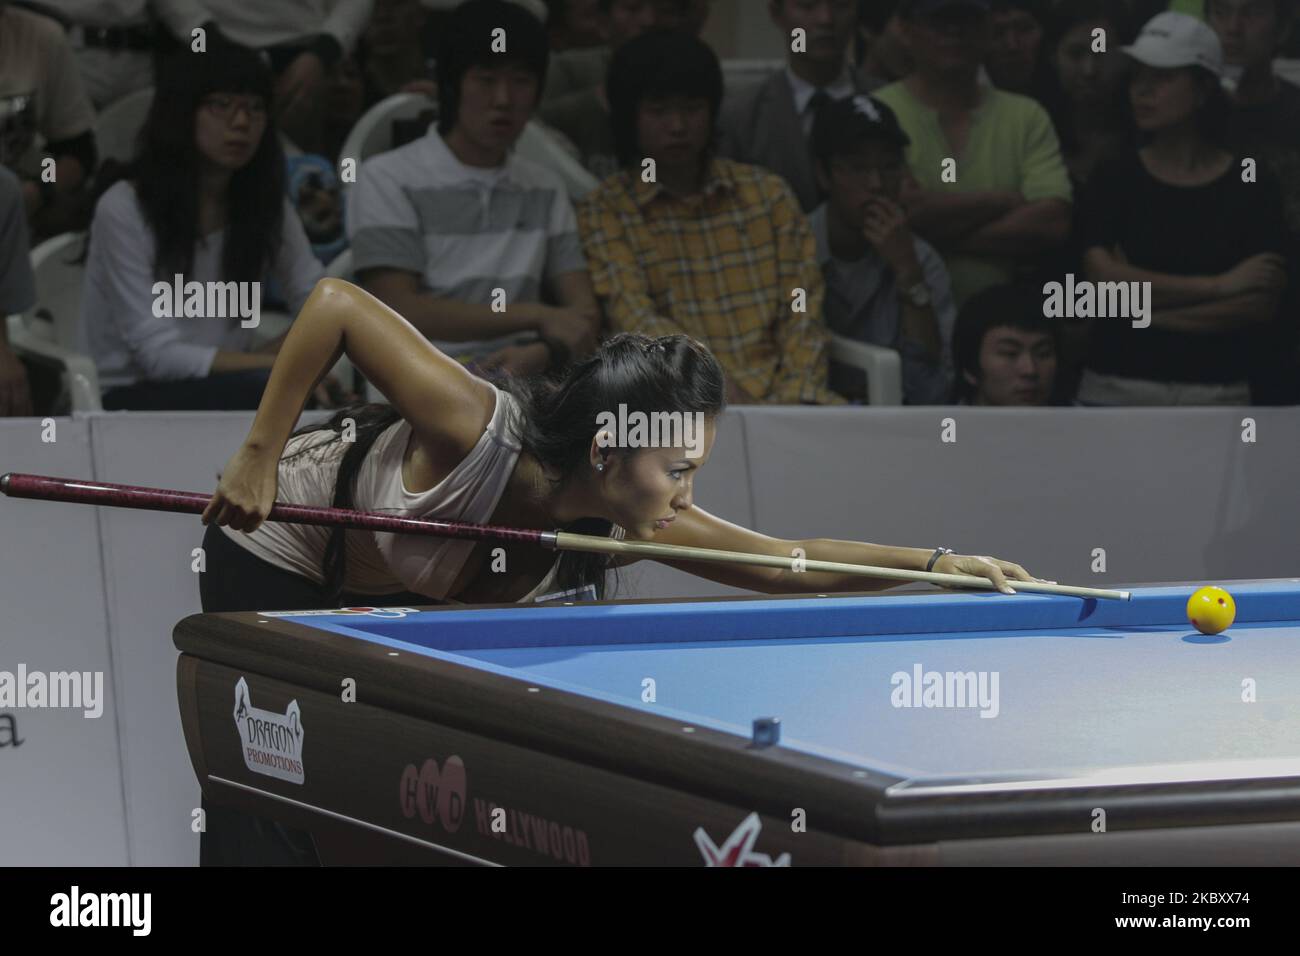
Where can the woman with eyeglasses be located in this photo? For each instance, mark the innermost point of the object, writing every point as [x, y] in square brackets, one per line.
[180, 247]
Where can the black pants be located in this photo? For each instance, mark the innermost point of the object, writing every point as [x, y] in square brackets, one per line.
[220, 391]
[238, 580]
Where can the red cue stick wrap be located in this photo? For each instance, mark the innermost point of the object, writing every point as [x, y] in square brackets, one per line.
[107, 493]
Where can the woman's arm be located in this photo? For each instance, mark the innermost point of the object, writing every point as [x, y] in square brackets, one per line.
[698, 529]
[446, 406]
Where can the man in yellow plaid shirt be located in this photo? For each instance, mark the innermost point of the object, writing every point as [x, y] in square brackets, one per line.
[681, 241]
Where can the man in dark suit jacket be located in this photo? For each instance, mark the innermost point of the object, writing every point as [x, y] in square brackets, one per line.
[769, 124]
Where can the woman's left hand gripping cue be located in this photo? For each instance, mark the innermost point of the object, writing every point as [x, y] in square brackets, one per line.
[983, 566]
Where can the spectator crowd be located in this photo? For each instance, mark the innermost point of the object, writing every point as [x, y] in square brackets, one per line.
[915, 176]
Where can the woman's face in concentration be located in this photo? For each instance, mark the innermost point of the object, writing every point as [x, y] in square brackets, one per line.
[646, 488]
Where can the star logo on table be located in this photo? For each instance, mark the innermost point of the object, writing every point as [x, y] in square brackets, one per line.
[738, 849]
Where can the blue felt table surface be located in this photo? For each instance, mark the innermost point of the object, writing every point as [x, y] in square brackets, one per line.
[1081, 686]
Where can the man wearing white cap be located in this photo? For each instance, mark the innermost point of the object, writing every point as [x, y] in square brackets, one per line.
[1186, 215]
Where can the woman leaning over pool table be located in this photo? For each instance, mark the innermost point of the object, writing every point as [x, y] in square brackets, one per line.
[455, 447]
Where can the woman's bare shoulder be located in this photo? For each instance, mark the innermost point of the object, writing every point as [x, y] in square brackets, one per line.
[431, 458]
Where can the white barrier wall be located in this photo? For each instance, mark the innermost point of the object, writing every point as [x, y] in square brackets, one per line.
[60, 778]
[1169, 494]
[148, 557]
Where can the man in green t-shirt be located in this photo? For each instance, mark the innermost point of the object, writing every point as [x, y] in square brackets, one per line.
[994, 192]
[1195, 8]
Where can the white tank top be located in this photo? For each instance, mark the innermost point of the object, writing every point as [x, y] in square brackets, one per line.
[379, 562]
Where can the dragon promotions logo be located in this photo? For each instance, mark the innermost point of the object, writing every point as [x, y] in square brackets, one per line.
[272, 743]
[737, 849]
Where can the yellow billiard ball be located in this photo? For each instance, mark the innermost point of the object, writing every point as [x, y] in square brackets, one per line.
[1211, 610]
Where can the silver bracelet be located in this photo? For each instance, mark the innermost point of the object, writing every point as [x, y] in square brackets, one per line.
[938, 553]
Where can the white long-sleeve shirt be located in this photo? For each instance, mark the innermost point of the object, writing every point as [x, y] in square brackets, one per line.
[118, 327]
[266, 23]
[179, 16]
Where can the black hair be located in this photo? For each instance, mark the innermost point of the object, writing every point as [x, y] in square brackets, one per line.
[1284, 10]
[875, 14]
[605, 6]
[907, 9]
[660, 63]
[1037, 9]
[165, 170]
[1062, 19]
[466, 41]
[1018, 305]
[1214, 118]
[672, 373]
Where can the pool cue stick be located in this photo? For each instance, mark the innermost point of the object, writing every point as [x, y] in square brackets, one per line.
[110, 494]
[567, 541]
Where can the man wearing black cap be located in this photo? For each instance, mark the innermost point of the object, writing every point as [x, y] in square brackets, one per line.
[769, 124]
[883, 285]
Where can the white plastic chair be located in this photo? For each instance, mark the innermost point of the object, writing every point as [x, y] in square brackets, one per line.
[47, 333]
[340, 267]
[882, 367]
[539, 144]
[373, 133]
[1288, 70]
[117, 127]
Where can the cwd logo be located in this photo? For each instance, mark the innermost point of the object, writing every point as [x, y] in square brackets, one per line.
[435, 794]
[738, 849]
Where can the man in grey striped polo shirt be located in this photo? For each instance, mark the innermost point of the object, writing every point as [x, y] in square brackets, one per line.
[465, 239]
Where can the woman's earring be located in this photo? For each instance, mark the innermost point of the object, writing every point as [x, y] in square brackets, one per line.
[600, 467]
